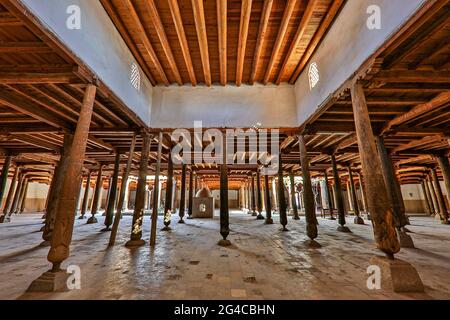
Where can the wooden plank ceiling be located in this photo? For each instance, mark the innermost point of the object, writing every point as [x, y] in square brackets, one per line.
[222, 42]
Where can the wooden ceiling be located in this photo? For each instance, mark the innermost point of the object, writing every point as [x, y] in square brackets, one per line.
[222, 42]
[407, 86]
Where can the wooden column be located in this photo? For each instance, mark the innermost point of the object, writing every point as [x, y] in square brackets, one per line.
[354, 199]
[390, 180]
[378, 201]
[84, 205]
[17, 195]
[112, 195]
[308, 196]
[138, 214]
[67, 204]
[23, 197]
[293, 200]
[267, 200]
[328, 193]
[157, 190]
[169, 195]
[97, 193]
[183, 193]
[445, 169]
[122, 193]
[4, 177]
[363, 195]
[191, 193]
[440, 198]
[258, 196]
[427, 199]
[253, 196]
[338, 197]
[281, 196]
[11, 192]
[224, 211]
[429, 183]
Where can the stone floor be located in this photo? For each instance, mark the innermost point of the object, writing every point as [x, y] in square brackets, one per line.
[263, 263]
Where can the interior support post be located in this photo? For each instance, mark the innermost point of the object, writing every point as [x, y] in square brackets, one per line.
[183, 193]
[439, 197]
[308, 196]
[169, 195]
[267, 200]
[97, 193]
[354, 200]
[84, 205]
[122, 193]
[138, 214]
[224, 210]
[292, 195]
[338, 197]
[157, 190]
[328, 195]
[112, 194]
[259, 197]
[282, 209]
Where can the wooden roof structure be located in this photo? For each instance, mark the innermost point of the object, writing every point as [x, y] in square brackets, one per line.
[407, 81]
[222, 42]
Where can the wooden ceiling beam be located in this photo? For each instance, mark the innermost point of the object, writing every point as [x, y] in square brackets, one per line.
[22, 105]
[222, 30]
[145, 40]
[301, 30]
[419, 110]
[37, 77]
[264, 22]
[200, 26]
[24, 47]
[179, 27]
[288, 11]
[418, 143]
[412, 76]
[156, 19]
[246, 10]
[318, 37]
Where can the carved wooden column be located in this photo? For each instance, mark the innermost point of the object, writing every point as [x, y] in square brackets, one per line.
[308, 196]
[427, 199]
[267, 200]
[23, 197]
[328, 195]
[84, 205]
[224, 210]
[4, 177]
[363, 195]
[17, 194]
[253, 196]
[169, 195]
[123, 193]
[112, 194]
[157, 191]
[293, 200]
[183, 193]
[445, 169]
[440, 198]
[338, 197]
[353, 198]
[12, 190]
[390, 180]
[67, 203]
[97, 194]
[191, 193]
[281, 196]
[138, 214]
[429, 183]
[378, 201]
[259, 197]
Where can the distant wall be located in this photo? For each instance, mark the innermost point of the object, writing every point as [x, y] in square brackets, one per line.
[230, 106]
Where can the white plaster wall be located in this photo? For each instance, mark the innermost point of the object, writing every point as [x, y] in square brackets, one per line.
[99, 45]
[230, 106]
[348, 44]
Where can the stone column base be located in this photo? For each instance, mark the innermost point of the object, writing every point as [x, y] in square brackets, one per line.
[92, 220]
[224, 243]
[405, 240]
[398, 275]
[50, 282]
[135, 243]
[358, 220]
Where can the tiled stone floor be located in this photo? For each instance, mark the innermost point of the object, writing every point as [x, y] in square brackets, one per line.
[263, 263]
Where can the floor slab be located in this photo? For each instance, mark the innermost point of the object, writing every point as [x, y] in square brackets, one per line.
[187, 263]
